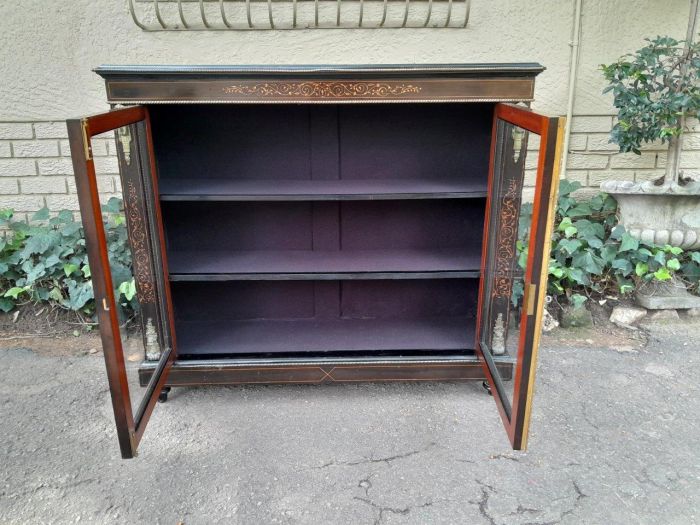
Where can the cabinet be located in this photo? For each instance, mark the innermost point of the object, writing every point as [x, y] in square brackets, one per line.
[325, 224]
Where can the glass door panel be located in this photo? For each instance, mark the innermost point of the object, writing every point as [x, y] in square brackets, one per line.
[125, 251]
[522, 185]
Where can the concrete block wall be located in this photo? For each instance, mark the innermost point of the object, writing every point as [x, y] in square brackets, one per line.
[593, 159]
[36, 169]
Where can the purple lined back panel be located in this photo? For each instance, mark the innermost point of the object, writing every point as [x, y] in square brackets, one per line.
[324, 142]
[354, 151]
[268, 317]
[422, 141]
[315, 337]
[375, 299]
[356, 225]
[262, 141]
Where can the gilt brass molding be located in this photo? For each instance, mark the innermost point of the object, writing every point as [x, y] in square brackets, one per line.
[323, 89]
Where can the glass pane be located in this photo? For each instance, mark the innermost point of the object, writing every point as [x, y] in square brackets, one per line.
[127, 221]
[510, 221]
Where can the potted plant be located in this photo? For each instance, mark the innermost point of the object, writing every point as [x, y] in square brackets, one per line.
[655, 91]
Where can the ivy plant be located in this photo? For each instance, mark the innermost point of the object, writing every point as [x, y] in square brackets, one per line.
[45, 260]
[653, 90]
[593, 255]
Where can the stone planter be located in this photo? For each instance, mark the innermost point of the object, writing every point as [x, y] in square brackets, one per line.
[659, 214]
[665, 214]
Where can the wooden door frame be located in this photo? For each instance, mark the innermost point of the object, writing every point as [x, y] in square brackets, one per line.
[550, 131]
[130, 429]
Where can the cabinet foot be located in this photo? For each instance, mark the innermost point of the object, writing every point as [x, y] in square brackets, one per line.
[487, 387]
[163, 396]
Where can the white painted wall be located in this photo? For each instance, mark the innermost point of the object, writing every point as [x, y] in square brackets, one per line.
[48, 48]
[47, 51]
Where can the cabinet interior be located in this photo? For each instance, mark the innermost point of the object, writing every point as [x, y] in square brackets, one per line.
[325, 229]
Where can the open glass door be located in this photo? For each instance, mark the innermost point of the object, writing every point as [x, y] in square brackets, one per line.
[523, 181]
[147, 294]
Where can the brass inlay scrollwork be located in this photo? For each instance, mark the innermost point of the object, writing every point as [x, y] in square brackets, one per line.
[139, 249]
[505, 245]
[323, 89]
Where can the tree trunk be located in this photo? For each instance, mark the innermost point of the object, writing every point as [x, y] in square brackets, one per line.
[673, 160]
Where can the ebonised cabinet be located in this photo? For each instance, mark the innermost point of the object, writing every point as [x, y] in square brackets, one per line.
[311, 224]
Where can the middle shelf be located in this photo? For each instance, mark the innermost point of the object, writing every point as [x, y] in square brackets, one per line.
[223, 265]
[230, 189]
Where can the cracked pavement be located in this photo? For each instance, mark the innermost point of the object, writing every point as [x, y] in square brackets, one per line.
[615, 439]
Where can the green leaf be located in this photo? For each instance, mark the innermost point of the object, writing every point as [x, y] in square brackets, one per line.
[565, 223]
[608, 253]
[577, 300]
[15, 291]
[6, 304]
[70, 268]
[56, 295]
[79, 294]
[662, 274]
[695, 256]
[38, 270]
[52, 260]
[38, 244]
[114, 205]
[128, 289]
[673, 264]
[581, 210]
[578, 276]
[589, 262]
[41, 215]
[556, 272]
[86, 271]
[628, 243]
[641, 269]
[589, 230]
[569, 231]
[594, 242]
[624, 265]
[569, 245]
[567, 187]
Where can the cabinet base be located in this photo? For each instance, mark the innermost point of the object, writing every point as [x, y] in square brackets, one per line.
[324, 370]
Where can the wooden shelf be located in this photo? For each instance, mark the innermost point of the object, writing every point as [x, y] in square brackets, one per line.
[207, 189]
[305, 264]
[323, 336]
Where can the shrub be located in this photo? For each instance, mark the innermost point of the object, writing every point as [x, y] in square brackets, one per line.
[593, 256]
[654, 89]
[46, 261]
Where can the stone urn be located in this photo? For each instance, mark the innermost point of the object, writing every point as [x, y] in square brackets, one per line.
[667, 213]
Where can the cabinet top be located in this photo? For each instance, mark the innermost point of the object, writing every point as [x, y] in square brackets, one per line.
[143, 84]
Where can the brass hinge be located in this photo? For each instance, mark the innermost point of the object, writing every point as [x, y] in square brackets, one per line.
[531, 298]
[87, 147]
